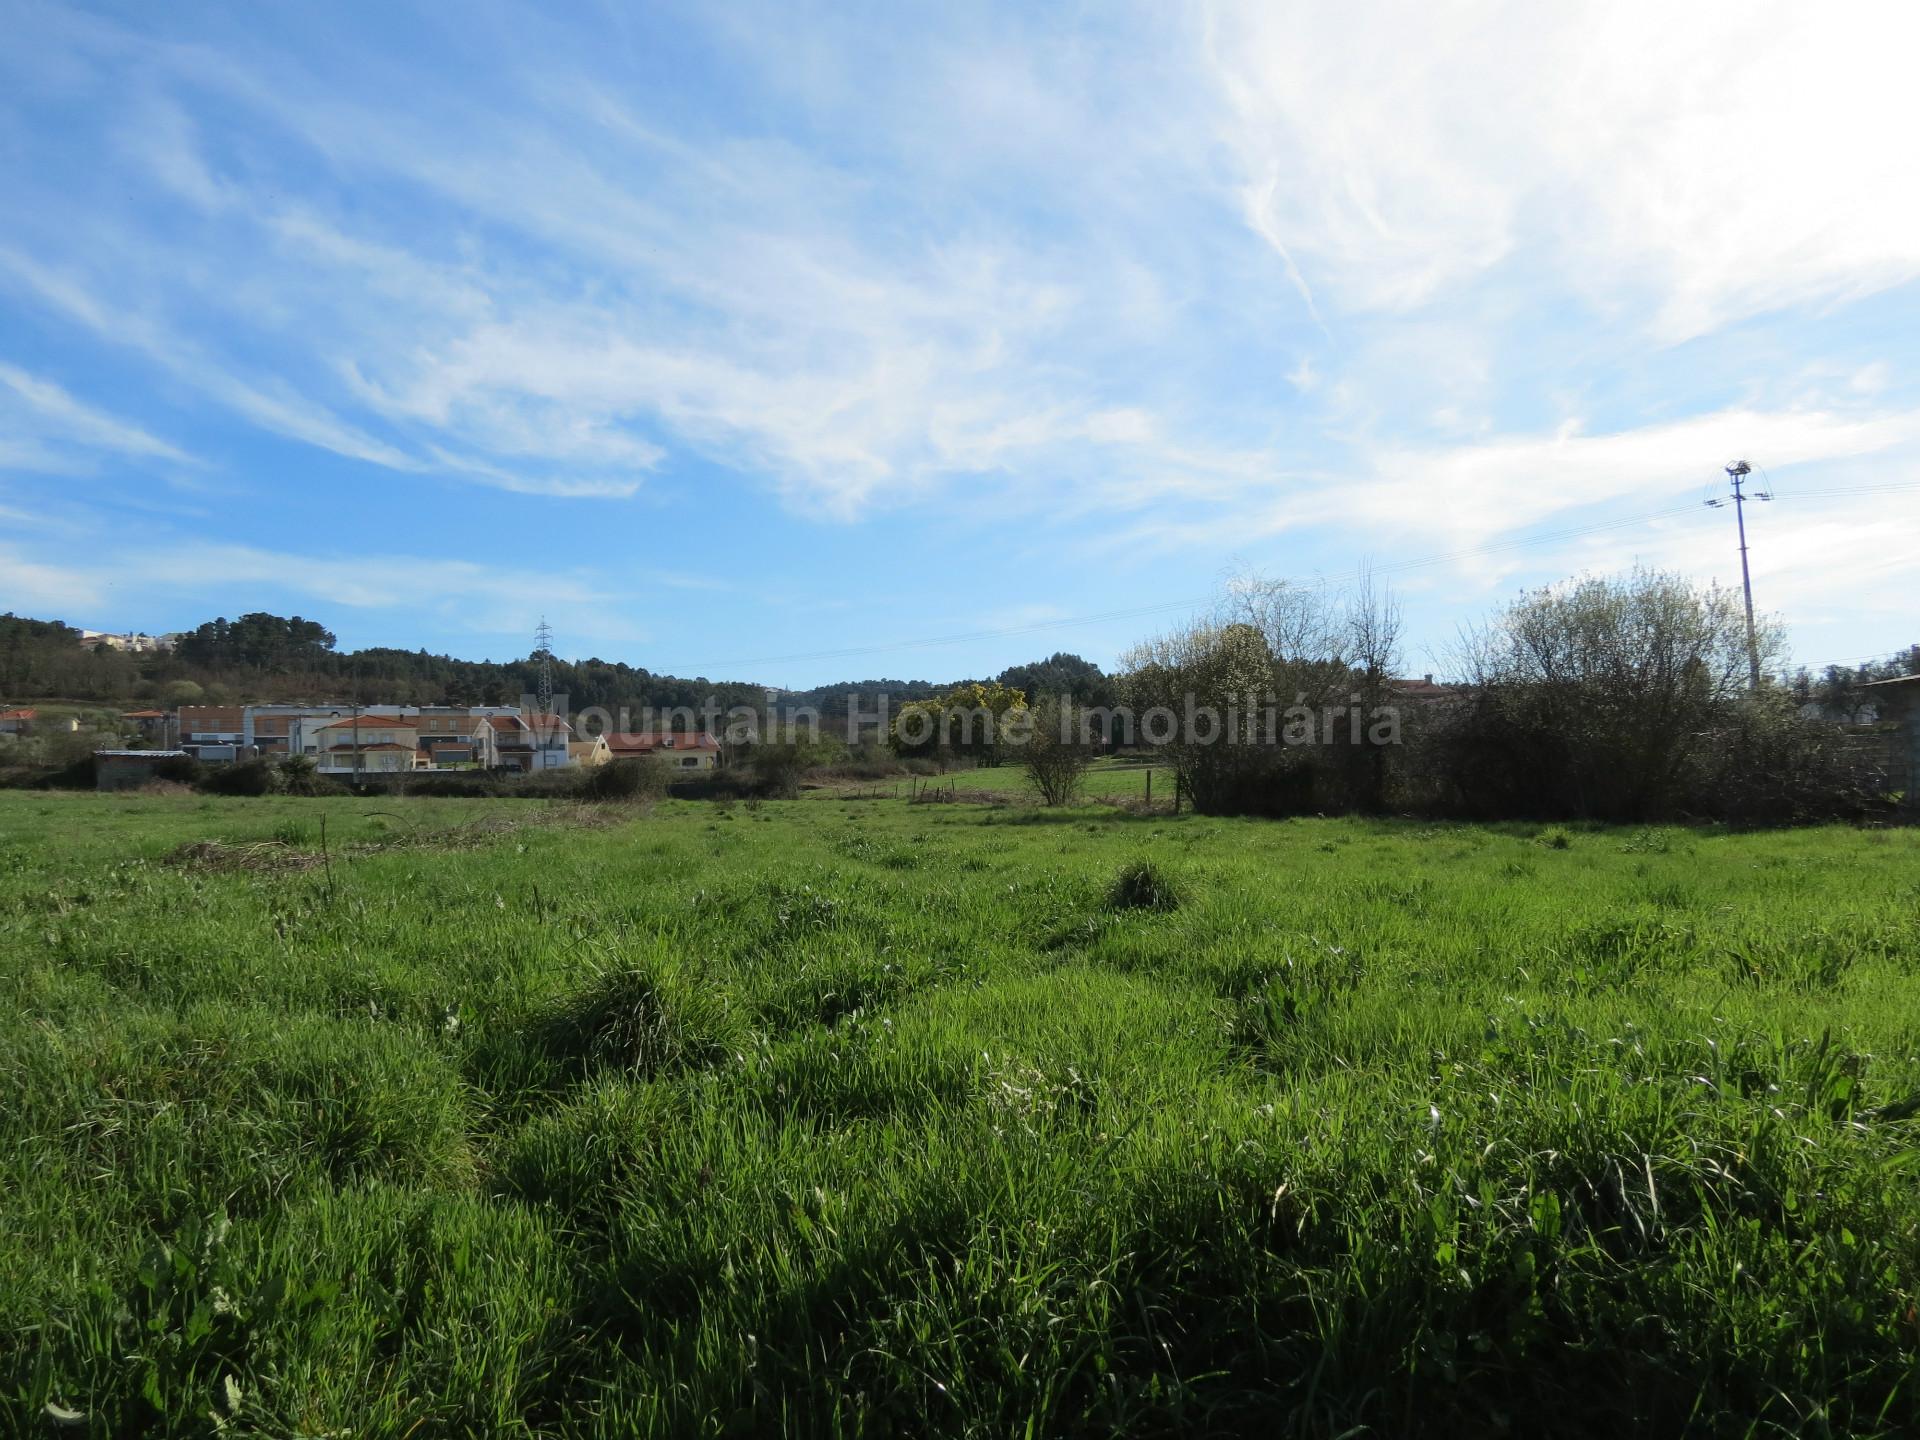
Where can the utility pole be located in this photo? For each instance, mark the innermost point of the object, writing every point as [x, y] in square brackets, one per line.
[542, 722]
[1737, 473]
[543, 653]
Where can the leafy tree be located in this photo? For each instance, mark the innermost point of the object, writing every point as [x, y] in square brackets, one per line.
[968, 720]
[1060, 675]
[1196, 694]
[256, 641]
[1840, 692]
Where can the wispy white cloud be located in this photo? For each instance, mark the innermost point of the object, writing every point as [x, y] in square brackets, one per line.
[608, 293]
[1702, 163]
[48, 428]
[468, 597]
[1443, 498]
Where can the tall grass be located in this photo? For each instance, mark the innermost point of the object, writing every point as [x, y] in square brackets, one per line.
[888, 1119]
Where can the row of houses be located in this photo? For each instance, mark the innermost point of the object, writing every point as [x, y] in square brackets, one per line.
[27, 720]
[347, 741]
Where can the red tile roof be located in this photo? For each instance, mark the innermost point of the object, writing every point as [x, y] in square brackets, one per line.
[1423, 689]
[18, 714]
[645, 742]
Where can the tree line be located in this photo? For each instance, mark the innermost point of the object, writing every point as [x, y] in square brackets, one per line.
[264, 658]
[1620, 698]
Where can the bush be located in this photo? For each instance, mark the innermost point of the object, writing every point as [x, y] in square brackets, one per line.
[1774, 766]
[180, 770]
[568, 783]
[1057, 752]
[244, 777]
[464, 784]
[737, 783]
[300, 776]
[624, 780]
[74, 775]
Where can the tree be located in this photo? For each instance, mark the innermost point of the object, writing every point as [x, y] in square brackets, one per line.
[1056, 753]
[1060, 675]
[969, 720]
[1593, 698]
[1198, 695]
[257, 641]
[1840, 692]
[1372, 624]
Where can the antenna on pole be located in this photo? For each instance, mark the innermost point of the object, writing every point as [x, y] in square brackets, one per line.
[1737, 474]
[543, 654]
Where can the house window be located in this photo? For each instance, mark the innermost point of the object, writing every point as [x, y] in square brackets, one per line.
[691, 762]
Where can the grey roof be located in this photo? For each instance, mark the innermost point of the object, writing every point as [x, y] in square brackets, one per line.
[141, 755]
[1897, 680]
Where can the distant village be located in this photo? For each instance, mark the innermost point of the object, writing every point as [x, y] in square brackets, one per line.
[349, 742]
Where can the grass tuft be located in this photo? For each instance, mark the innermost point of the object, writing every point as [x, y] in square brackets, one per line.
[645, 1018]
[1145, 885]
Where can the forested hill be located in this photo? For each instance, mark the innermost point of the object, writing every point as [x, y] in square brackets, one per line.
[271, 658]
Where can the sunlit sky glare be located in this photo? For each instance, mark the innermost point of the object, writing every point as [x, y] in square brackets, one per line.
[776, 342]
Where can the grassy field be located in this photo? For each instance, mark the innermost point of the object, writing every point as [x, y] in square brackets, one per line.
[855, 1116]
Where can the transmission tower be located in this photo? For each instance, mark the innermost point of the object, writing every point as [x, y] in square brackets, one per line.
[543, 654]
[1737, 474]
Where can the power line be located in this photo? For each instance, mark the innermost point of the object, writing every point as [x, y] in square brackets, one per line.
[1853, 659]
[1169, 606]
[1163, 607]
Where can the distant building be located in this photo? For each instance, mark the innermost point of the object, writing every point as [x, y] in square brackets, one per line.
[130, 769]
[133, 642]
[148, 724]
[529, 740]
[681, 751]
[593, 751]
[18, 722]
[213, 733]
[442, 736]
[1422, 689]
[367, 744]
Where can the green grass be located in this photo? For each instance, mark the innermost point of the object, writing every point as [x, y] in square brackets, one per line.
[851, 1116]
[1106, 779]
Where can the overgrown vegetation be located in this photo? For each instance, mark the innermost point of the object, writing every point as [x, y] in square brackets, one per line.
[820, 1117]
[1613, 698]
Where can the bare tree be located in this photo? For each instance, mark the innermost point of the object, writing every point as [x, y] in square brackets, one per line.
[1372, 654]
[1057, 751]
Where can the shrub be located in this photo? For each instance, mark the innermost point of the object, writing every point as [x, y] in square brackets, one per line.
[624, 780]
[74, 775]
[778, 765]
[244, 777]
[300, 776]
[180, 770]
[1057, 752]
[564, 784]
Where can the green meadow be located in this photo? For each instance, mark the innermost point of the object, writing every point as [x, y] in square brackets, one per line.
[855, 1116]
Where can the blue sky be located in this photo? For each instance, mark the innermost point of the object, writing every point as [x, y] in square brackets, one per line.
[776, 342]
